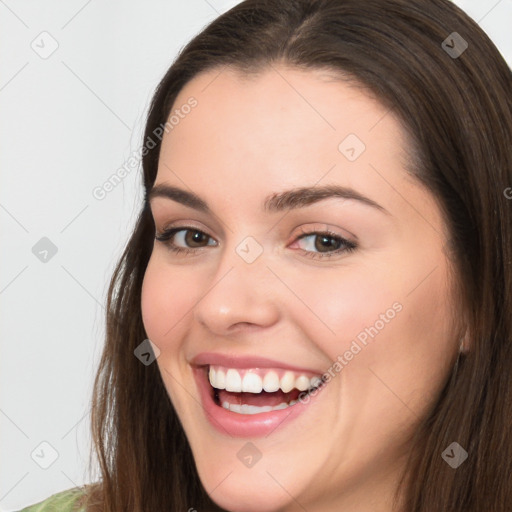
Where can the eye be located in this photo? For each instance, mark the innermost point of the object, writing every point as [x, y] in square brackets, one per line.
[323, 241]
[190, 236]
[188, 240]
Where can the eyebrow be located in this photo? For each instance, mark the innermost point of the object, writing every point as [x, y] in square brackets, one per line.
[277, 202]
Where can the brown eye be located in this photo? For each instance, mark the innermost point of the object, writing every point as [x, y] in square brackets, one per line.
[183, 239]
[194, 237]
[326, 244]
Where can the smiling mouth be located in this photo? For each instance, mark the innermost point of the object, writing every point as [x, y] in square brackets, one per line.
[256, 391]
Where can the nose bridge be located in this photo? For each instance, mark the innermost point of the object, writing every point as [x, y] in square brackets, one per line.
[241, 290]
[246, 261]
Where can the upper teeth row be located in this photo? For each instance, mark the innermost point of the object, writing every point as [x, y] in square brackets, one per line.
[231, 380]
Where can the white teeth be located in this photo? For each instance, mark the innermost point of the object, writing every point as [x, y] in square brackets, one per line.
[315, 382]
[253, 381]
[233, 381]
[254, 409]
[287, 382]
[302, 383]
[271, 382]
[220, 379]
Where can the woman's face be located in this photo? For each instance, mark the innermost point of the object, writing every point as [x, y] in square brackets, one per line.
[268, 299]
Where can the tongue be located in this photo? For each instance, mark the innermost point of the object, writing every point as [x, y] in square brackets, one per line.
[259, 399]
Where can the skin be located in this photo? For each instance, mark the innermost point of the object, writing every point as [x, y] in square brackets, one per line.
[251, 137]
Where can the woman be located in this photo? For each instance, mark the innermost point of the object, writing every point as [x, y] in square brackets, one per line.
[323, 265]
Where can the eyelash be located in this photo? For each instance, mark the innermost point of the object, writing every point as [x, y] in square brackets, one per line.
[347, 246]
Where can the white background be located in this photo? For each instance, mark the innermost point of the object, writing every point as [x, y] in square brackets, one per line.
[68, 122]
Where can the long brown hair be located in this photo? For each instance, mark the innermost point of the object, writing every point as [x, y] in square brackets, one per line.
[457, 109]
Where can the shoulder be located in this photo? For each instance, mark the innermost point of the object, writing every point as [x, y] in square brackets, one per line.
[63, 501]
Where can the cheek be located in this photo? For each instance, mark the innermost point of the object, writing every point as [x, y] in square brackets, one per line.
[167, 296]
[166, 299]
[338, 307]
[404, 365]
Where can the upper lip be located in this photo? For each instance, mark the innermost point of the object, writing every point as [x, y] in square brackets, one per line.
[245, 362]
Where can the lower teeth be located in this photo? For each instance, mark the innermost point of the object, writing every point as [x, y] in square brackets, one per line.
[254, 409]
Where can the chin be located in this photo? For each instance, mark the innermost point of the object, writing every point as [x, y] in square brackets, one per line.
[242, 490]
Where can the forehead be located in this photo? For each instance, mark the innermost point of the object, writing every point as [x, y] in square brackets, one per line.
[279, 112]
[280, 128]
[279, 96]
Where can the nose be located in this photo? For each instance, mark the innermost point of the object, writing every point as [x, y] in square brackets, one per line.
[239, 295]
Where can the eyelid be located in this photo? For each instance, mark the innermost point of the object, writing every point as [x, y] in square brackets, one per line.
[319, 227]
[184, 225]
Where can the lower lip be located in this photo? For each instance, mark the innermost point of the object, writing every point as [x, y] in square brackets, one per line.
[246, 425]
